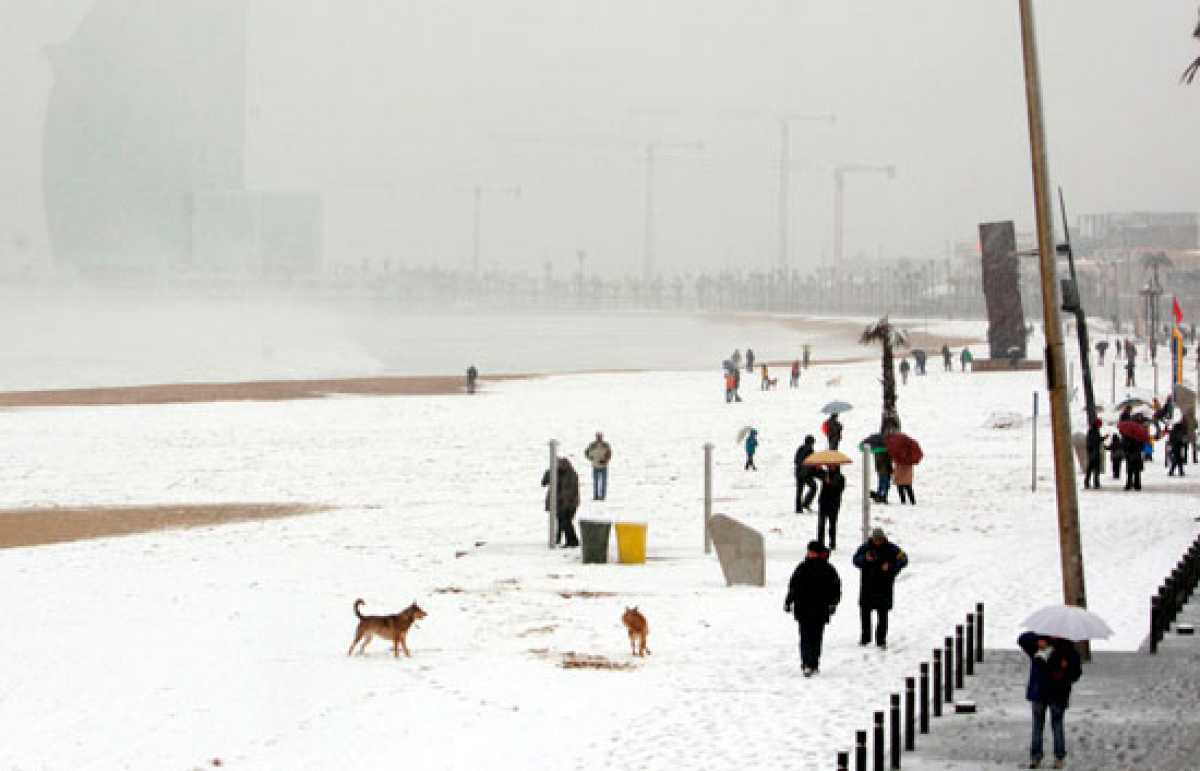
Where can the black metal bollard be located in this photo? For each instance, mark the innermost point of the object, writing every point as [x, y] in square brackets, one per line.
[958, 656]
[937, 683]
[843, 761]
[894, 709]
[860, 751]
[878, 741]
[924, 697]
[969, 659]
[948, 675]
[979, 631]
[910, 718]
[1155, 622]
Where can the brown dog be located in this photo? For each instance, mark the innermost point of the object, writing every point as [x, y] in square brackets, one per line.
[635, 623]
[394, 628]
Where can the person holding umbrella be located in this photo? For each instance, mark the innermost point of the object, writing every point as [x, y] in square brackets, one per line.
[1053, 667]
[813, 596]
[833, 431]
[904, 482]
[806, 488]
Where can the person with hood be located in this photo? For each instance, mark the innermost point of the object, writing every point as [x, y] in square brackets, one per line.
[883, 470]
[599, 453]
[568, 502]
[814, 592]
[1115, 454]
[833, 431]
[880, 561]
[751, 446]
[1176, 447]
[904, 368]
[829, 504]
[947, 362]
[1095, 455]
[806, 488]
[1053, 668]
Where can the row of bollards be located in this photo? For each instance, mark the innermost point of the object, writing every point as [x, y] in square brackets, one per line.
[955, 659]
[1174, 593]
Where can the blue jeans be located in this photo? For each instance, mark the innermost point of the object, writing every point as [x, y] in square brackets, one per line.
[885, 484]
[1056, 727]
[599, 483]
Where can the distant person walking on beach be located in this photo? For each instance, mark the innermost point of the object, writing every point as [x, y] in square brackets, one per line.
[904, 482]
[472, 376]
[749, 360]
[833, 431]
[766, 379]
[806, 488]
[1095, 456]
[904, 368]
[919, 360]
[807, 354]
[795, 381]
[879, 561]
[1130, 381]
[1053, 668]
[737, 385]
[883, 470]
[829, 504]
[751, 446]
[568, 502]
[946, 360]
[730, 386]
[965, 358]
[814, 592]
[736, 358]
[599, 454]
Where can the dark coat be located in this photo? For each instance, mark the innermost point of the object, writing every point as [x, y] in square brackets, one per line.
[1177, 436]
[814, 591]
[568, 488]
[802, 454]
[875, 589]
[833, 430]
[1133, 453]
[1095, 444]
[829, 502]
[1050, 678]
[1114, 446]
[883, 463]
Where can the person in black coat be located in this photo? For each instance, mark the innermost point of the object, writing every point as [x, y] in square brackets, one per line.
[833, 431]
[804, 476]
[813, 595]
[1133, 462]
[1053, 667]
[568, 502]
[1176, 451]
[829, 504]
[1115, 454]
[880, 561]
[1095, 455]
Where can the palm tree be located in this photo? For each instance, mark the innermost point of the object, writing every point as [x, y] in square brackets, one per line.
[1190, 73]
[889, 338]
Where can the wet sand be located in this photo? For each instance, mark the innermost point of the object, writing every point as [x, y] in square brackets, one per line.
[34, 527]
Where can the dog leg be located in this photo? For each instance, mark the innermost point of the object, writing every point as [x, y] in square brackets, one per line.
[357, 637]
[366, 639]
[404, 644]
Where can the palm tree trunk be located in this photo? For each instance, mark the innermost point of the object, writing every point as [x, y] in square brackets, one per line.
[890, 420]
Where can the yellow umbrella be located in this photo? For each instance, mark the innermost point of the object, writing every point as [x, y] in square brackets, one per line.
[827, 458]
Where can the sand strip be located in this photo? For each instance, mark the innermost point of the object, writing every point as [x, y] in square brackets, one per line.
[33, 527]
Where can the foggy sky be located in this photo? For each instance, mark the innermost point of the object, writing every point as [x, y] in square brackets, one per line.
[393, 110]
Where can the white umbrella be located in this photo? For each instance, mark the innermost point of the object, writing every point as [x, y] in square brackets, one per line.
[742, 434]
[836, 408]
[1068, 622]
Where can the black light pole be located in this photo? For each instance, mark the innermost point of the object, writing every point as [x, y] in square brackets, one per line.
[1072, 304]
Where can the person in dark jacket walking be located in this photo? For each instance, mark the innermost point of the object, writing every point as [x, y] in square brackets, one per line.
[1130, 382]
[880, 561]
[472, 376]
[568, 502]
[1095, 456]
[904, 368]
[919, 361]
[1176, 447]
[1053, 668]
[749, 361]
[833, 431]
[829, 504]
[806, 487]
[883, 470]
[1115, 454]
[813, 596]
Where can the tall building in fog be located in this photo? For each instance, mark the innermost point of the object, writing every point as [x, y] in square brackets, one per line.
[144, 148]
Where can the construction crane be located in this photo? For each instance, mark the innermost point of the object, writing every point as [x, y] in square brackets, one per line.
[839, 191]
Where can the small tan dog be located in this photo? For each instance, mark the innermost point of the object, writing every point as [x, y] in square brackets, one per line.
[635, 623]
[394, 628]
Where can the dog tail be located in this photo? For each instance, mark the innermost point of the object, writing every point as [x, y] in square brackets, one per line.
[356, 604]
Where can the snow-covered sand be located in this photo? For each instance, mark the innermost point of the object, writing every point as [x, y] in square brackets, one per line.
[174, 648]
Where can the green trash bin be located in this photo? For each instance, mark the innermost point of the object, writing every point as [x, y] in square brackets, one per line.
[593, 536]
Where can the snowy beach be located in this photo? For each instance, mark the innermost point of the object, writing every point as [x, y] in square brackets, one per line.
[176, 648]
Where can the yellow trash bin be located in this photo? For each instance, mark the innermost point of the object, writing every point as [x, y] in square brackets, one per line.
[631, 542]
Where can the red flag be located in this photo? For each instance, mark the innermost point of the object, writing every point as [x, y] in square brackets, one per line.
[1177, 310]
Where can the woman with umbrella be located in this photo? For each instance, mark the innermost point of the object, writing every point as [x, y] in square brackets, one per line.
[905, 453]
[1133, 438]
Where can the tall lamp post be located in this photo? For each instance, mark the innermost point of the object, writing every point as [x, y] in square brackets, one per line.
[1066, 491]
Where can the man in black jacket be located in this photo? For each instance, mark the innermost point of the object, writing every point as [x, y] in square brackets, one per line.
[833, 431]
[1133, 462]
[829, 504]
[568, 502]
[1095, 455]
[880, 561]
[813, 595]
[804, 476]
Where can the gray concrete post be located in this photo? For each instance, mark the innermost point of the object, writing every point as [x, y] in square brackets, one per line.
[866, 491]
[552, 520]
[708, 474]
